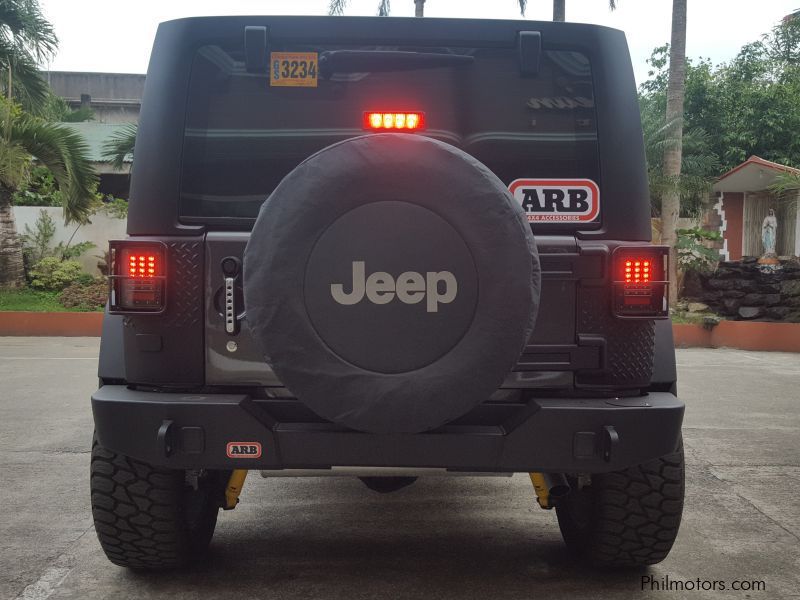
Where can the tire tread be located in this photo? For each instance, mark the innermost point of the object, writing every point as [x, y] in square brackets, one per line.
[137, 511]
[634, 514]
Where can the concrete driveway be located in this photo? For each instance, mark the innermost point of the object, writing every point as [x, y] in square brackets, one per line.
[440, 538]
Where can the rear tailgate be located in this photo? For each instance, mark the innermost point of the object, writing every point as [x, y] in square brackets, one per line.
[233, 358]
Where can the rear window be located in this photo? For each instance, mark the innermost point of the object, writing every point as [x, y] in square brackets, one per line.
[244, 135]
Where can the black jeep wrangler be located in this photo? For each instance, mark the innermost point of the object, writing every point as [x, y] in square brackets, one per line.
[387, 247]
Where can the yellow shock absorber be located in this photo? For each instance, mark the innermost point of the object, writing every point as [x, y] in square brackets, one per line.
[235, 485]
[542, 490]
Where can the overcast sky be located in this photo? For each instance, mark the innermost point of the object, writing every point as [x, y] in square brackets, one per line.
[116, 36]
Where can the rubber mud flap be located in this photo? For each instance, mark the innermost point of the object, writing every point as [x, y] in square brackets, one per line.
[391, 282]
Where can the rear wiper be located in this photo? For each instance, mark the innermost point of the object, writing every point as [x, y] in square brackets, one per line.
[366, 61]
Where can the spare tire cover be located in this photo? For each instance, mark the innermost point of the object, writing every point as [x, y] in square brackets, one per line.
[391, 282]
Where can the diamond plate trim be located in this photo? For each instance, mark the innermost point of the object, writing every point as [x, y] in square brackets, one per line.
[630, 344]
[185, 280]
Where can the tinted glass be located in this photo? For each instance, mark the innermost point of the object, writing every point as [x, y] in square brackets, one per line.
[243, 136]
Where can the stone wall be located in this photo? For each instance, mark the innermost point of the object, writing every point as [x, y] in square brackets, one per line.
[745, 291]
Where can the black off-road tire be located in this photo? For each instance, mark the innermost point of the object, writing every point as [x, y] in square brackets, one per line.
[148, 517]
[626, 518]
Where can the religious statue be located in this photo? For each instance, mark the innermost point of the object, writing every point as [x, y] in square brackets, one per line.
[769, 229]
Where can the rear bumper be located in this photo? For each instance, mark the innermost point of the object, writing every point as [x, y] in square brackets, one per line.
[184, 431]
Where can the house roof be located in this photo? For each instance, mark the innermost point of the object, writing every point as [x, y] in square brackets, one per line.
[96, 135]
[752, 175]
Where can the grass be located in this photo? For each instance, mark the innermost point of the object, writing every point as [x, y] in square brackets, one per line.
[33, 300]
[687, 318]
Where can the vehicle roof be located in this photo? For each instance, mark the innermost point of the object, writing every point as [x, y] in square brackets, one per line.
[425, 23]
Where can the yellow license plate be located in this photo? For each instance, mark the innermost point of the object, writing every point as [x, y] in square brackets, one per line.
[293, 69]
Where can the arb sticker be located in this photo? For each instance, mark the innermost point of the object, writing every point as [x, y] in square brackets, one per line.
[557, 200]
[244, 450]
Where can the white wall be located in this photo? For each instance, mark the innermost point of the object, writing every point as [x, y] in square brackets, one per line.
[797, 226]
[101, 229]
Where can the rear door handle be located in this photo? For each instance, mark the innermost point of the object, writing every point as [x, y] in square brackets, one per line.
[230, 305]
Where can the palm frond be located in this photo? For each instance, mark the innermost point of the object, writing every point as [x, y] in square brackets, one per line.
[336, 7]
[384, 8]
[23, 26]
[27, 84]
[78, 115]
[66, 155]
[14, 164]
[523, 4]
[612, 4]
[786, 182]
[59, 110]
[119, 147]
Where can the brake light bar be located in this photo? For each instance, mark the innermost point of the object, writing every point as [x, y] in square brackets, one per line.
[394, 121]
[640, 282]
[137, 276]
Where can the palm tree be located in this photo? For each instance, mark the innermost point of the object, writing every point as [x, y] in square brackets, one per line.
[699, 164]
[560, 9]
[671, 199]
[336, 7]
[26, 40]
[23, 139]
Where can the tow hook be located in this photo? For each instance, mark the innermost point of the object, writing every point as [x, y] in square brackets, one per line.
[550, 488]
[610, 441]
[234, 488]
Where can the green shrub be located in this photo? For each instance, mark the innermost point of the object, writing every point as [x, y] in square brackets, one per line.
[693, 253]
[85, 296]
[69, 252]
[115, 207]
[54, 275]
[36, 243]
[39, 190]
[31, 198]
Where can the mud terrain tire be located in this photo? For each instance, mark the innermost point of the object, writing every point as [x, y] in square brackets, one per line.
[626, 518]
[148, 517]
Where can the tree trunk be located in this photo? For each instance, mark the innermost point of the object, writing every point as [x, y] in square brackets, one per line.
[559, 10]
[419, 8]
[11, 271]
[671, 200]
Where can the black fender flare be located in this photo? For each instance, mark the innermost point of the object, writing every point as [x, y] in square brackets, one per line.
[111, 364]
[665, 373]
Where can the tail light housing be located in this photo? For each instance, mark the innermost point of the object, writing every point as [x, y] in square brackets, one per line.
[640, 282]
[137, 276]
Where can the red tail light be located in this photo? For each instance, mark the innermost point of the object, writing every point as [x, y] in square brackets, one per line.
[138, 273]
[640, 282]
[394, 121]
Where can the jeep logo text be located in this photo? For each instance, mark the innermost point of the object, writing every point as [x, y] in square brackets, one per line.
[410, 288]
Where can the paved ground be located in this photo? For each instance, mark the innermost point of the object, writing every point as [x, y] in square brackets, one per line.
[441, 538]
